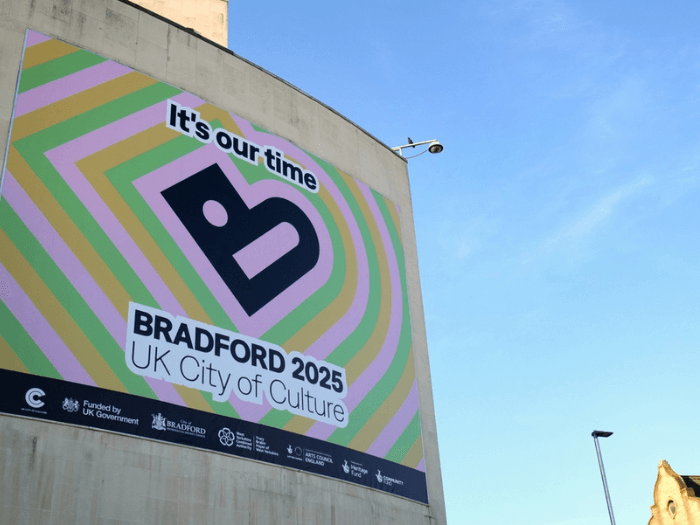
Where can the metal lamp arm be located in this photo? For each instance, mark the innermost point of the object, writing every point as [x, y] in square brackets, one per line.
[399, 148]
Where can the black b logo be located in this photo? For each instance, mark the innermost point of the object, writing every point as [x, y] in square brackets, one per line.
[235, 228]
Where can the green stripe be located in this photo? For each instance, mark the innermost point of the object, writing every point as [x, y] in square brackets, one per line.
[72, 301]
[32, 148]
[406, 440]
[24, 346]
[386, 385]
[57, 68]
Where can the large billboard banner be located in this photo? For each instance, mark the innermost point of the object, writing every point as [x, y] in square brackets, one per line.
[170, 270]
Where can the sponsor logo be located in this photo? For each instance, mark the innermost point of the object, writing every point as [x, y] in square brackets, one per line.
[386, 480]
[317, 458]
[226, 437]
[263, 447]
[33, 397]
[160, 422]
[294, 453]
[355, 469]
[101, 411]
[70, 405]
[243, 441]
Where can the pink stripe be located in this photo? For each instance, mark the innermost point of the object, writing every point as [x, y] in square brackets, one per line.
[64, 158]
[397, 425]
[374, 372]
[265, 250]
[43, 334]
[79, 277]
[421, 465]
[67, 86]
[34, 38]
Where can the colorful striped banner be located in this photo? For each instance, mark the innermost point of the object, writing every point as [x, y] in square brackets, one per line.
[86, 229]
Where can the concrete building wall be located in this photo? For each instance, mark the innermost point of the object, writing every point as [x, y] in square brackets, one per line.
[52, 473]
[209, 18]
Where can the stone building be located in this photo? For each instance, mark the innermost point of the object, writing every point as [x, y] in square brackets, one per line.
[676, 498]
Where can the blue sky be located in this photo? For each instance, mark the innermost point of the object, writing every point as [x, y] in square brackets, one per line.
[557, 232]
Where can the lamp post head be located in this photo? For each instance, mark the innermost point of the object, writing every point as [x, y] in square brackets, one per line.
[601, 433]
[435, 147]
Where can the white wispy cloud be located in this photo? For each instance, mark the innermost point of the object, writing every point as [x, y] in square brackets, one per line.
[459, 239]
[596, 214]
[557, 25]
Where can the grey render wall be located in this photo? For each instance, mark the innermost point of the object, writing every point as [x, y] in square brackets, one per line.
[52, 473]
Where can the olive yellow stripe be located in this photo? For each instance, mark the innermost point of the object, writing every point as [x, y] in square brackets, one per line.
[364, 357]
[387, 409]
[46, 51]
[82, 102]
[94, 168]
[69, 232]
[414, 454]
[394, 212]
[8, 358]
[57, 316]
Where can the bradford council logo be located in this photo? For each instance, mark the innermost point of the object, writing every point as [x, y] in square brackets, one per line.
[158, 421]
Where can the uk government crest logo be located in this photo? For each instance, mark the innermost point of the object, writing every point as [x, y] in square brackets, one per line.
[226, 437]
[158, 421]
[70, 405]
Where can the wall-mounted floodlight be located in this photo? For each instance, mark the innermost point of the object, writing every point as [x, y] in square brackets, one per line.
[596, 434]
[434, 147]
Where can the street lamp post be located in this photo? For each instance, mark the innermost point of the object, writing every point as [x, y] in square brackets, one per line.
[434, 147]
[596, 434]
